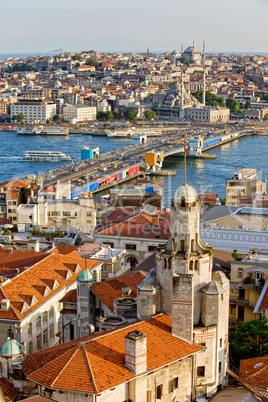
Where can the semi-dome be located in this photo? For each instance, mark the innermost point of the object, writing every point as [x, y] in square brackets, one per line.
[186, 192]
[11, 348]
[86, 276]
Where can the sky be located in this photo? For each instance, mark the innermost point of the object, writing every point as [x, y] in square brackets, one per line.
[30, 26]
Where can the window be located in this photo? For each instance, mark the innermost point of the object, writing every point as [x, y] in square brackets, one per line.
[182, 246]
[30, 329]
[10, 333]
[45, 337]
[89, 213]
[38, 342]
[220, 366]
[130, 246]
[66, 213]
[104, 269]
[221, 343]
[191, 265]
[55, 213]
[71, 331]
[51, 312]
[173, 384]
[152, 248]
[201, 371]
[45, 317]
[30, 348]
[159, 391]
[240, 273]
[51, 331]
[38, 322]
[192, 246]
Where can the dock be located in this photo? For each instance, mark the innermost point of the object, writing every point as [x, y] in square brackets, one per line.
[164, 172]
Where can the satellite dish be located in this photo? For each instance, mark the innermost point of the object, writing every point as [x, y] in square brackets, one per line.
[126, 291]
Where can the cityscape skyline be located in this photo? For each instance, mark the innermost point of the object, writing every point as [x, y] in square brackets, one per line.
[120, 28]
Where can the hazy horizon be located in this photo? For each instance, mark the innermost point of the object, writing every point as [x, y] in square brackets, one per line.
[120, 26]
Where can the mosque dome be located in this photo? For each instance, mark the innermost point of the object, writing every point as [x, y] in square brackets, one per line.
[187, 192]
[86, 276]
[11, 348]
[175, 87]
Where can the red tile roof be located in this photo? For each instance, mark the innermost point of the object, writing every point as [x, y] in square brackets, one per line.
[111, 289]
[126, 222]
[255, 372]
[95, 364]
[65, 249]
[70, 297]
[17, 259]
[39, 281]
[15, 184]
[8, 390]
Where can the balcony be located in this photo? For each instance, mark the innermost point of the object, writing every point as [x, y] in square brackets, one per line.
[240, 301]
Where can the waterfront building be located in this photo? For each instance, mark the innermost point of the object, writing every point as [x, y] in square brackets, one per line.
[78, 112]
[243, 183]
[34, 110]
[54, 207]
[249, 287]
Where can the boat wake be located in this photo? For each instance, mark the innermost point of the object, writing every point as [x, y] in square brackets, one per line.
[10, 158]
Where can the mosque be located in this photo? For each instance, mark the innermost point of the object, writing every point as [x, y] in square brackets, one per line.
[179, 104]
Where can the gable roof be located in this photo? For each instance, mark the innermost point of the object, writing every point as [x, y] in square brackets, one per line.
[132, 222]
[111, 289]
[10, 259]
[40, 282]
[95, 364]
[15, 184]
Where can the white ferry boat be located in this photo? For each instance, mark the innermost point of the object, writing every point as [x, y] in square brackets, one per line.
[49, 156]
[120, 133]
[41, 130]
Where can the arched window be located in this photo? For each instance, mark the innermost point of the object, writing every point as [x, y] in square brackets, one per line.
[1, 368]
[45, 317]
[38, 322]
[51, 313]
[30, 328]
[10, 333]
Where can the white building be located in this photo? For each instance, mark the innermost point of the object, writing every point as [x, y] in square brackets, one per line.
[34, 110]
[240, 230]
[79, 112]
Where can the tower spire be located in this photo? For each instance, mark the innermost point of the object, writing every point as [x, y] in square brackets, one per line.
[204, 74]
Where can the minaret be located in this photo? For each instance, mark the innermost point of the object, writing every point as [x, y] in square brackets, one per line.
[193, 52]
[204, 74]
[181, 49]
[182, 105]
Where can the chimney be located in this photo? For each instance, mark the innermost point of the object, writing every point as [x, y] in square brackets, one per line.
[5, 304]
[155, 220]
[136, 352]
[37, 246]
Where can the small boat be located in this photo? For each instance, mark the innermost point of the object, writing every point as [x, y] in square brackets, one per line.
[45, 156]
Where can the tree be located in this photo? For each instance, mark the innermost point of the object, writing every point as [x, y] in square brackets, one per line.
[92, 62]
[222, 200]
[185, 60]
[247, 105]
[109, 115]
[168, 57]
[249, 339]
[20, 118]
[130, 114]
[22, 67]
[77, 64]
[52, 69]
[236, 256]
[233, 105]
[76, 57]
[211, 99]
[149, 115]
[265, 117]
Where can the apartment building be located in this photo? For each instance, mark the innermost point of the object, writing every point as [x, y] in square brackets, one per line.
[248, 287]
[243, 183]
